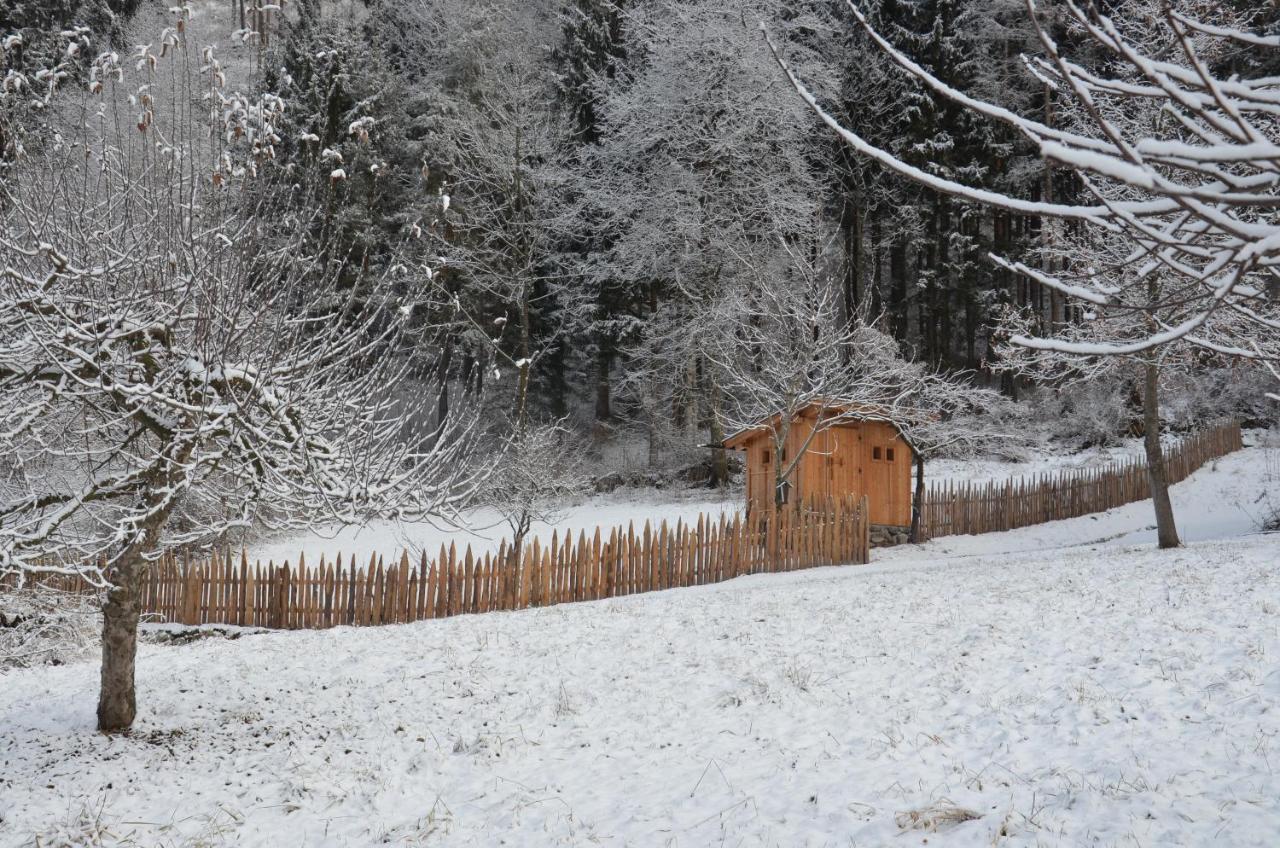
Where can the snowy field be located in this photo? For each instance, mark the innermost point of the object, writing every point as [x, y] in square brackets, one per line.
[1224, 499]
[1060, 685]
[485, 529]
[983, 470]
[1048, 461]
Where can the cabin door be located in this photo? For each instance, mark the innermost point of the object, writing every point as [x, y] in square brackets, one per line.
[883, 456]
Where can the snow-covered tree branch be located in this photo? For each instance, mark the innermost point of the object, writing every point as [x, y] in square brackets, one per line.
[179, 360]
[1194, 196]
[1181, 243]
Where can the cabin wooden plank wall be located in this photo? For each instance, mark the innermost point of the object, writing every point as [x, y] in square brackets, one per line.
[855, 458]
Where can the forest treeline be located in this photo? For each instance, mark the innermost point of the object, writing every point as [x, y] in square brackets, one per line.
[575, 189]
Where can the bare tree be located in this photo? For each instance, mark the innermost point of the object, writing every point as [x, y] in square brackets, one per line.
[495, 142]
[706, 159]
[784, 347]
[1190, 199]
[539, 473]
[178, 360]
[939, 421]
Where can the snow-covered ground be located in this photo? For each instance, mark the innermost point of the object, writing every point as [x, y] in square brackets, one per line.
[1060, 685]
[485, 529]
[982, 470]
[1224, 499]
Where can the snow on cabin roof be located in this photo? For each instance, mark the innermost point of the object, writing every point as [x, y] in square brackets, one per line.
[839, 410]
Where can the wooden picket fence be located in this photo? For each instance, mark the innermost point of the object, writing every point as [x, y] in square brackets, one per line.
[969, 508]
[226, 589]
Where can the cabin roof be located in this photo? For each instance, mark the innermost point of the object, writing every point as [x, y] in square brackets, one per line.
[840, 411]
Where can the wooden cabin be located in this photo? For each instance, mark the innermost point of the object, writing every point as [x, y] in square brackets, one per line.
[857, 450]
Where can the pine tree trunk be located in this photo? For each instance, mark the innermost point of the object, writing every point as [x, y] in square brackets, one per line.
[851, 222]
[689, 408]
[1048, 315]
[654, 454]
[604, 365]
[877, 267]
[900, 296]
[1166, 530]
[442, 382]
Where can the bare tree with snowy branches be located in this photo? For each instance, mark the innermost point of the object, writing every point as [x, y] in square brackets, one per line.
[178, 360]
[782, 347]
[1190, 198]
[538, 474]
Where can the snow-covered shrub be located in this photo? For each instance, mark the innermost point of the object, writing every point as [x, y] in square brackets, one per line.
[43, 626]
[1001, 429]
[656, 455]
[1191, 399]
[539, 473]
[1093, 413]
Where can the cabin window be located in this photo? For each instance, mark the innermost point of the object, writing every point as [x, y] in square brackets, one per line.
[766, 457]
[784, 490]
[888, 454]
[875, 453]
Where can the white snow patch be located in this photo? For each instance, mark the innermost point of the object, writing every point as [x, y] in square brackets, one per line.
[485, 529]
[1033, 688]
[982, 470]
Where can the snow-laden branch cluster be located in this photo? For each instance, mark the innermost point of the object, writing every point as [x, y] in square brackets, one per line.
[538, 475]
[1182, 163]
[179, 357]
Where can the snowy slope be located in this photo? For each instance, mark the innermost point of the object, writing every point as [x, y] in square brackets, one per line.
[1065, 691]
[1224, 499]
[979, 470]
[485, 529]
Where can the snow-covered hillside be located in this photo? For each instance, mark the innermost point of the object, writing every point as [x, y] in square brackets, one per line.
[1068, 690]
[485, 530]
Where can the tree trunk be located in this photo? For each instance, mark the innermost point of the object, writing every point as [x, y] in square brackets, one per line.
[917, 503]
[1166, 530]
[877, 268]
[851, 223]
[117, 704]
[654, 454]
[522, 365]
[442, 381]
[778, 481]
[900, 295]
[1049, 315]
[689, 407]
[604, 365]
[719, 456]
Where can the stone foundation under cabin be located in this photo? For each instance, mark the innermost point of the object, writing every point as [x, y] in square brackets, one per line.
[887, 535]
